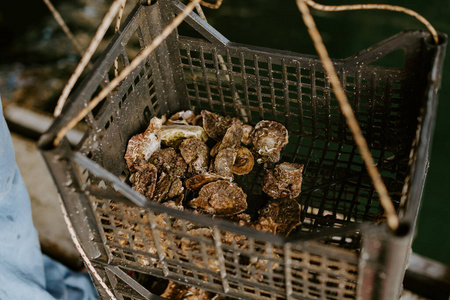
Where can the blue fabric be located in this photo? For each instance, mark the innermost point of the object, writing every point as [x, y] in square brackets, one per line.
[25, 273]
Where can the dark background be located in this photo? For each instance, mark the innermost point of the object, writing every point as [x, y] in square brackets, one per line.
[31, 41]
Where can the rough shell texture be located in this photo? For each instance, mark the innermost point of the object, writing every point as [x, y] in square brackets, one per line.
[247, 134]
[144, 179]
[232, 137]
[141, 146]
[167, 187]
[224, 161]
[285, 180]
[269, 138]
[220, 198]
[196, 154]
[216, 126]
[244, 161]
[196, 182]
[173, 135]
[284, 213]
[170, 162]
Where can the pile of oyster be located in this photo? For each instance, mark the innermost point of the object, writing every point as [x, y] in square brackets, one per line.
[199, 156]
[189, 162]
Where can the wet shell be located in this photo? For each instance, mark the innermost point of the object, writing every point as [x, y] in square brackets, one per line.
[196, 182]
[224, 162]
[269, 138]
[244, 161]
[144, 179]
[141, 146]
[216, 126]
[220, 198]
[283, 215]
[170, 162]
[196, 154]
[285, 180]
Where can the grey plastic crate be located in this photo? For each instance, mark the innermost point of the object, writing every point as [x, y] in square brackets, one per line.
[342, 249]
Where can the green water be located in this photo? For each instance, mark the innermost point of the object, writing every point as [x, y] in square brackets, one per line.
[278, 24]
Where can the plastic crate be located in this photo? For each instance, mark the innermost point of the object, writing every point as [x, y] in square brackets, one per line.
[341, 250]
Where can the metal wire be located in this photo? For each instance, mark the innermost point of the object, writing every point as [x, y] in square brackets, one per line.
[347, 111]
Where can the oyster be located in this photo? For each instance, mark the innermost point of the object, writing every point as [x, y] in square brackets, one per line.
[232, 137]
[216, 126]
[269, 138]
[247, 134]
[196, 182]
[167, 187]
[196, 155]
[141, 146]
[144, 179]
[244, 161]
[285, 180]
[170, 162]
[279, 216]
[224, 161]
[173, 135]
[220, 198]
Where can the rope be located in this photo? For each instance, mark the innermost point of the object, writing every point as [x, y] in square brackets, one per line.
[379, 7]
[107, 20]
[347, 111]
[126, 71]
[210, 5]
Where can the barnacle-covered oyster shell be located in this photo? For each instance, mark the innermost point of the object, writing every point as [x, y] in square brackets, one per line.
[244, 161]
[269, 138]
[247, 134]
[196, 155]
[141, 146]
[224, 161]
[220, 198]
[173, 135]
[279, 216]
[167, 187]
[285, 180]
[144, 179]
[178, 291]
[195, 183]
[216, 126]
[169, 161]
